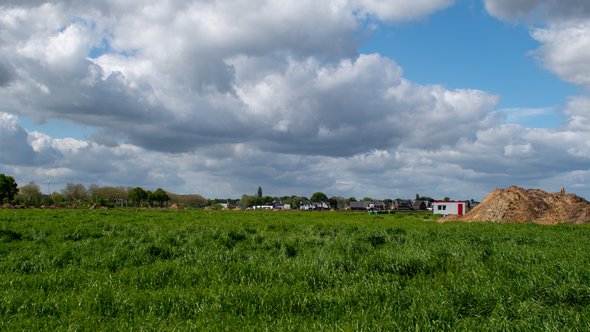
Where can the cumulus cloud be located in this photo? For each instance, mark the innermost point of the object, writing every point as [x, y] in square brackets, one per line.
[14, 148]
[563, 29]
[176, 77]
[355, 106]
[563, 33]
[400, 10]
[576, 110]
[494, 157]
[218, 98]
[35, 156]
[6, 73]
[565, 50]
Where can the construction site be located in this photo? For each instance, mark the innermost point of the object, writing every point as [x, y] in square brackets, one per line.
[518, 205]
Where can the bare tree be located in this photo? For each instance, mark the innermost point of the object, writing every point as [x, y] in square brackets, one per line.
[74, 192]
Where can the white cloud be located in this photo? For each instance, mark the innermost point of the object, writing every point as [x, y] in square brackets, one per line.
[14, 148]
[577, 112]
[401, 10]
[355, 106]
[518, 150]
[495, 157]
[34, 156]
[211, 83]
[562, 28]
[565, 50]
[60, 49]
[218, 98]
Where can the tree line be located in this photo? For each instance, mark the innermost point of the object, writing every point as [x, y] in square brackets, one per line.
[118, 196]
[77, 194]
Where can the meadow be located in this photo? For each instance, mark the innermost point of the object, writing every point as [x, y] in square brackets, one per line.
[261, 270]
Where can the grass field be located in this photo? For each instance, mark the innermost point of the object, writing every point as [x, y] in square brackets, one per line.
[180, 270]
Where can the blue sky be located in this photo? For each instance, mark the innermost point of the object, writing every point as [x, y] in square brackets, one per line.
[477, 51]
[442, 97]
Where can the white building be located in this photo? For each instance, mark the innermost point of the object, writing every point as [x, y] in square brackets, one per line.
[449, 207]
[312, 206]
[273, 206]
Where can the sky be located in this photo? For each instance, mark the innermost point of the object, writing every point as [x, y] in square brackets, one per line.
[363, 98]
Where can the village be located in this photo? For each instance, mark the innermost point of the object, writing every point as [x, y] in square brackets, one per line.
[76, 195]
[442, 207]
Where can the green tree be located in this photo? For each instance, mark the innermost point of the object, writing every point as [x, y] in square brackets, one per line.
[193, 200]
[8, 188]
[107, 195]
[150, 197]
[259, 192]
[249, 201]
[137, 195]
[333, 202]
[341, 202]
[246, 201]
[30, 194]
[56, 198]
[293, 200]
[160, 196]
[74, 192]
[319, 197]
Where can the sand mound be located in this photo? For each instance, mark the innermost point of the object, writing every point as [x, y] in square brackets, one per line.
[176, 207]
[515, 204]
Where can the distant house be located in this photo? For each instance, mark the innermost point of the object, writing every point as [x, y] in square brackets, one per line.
[262, 207]
[357, 206]
[404, 205]
[366, 205]
[377, 205]
[313, 206]
[305, 205]
[394, 205]
[275, 205]
[280, 205]
[229, 206]
[421, 205]
[449, 207]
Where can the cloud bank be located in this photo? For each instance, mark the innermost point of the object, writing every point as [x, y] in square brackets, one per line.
[217, 98]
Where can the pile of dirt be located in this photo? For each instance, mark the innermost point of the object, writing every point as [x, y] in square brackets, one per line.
[515, 204]
[176, 207]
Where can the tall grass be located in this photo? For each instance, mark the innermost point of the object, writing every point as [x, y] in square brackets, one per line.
[164, 270]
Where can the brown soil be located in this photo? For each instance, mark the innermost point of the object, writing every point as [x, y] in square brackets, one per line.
[515, 204]
[176, 207]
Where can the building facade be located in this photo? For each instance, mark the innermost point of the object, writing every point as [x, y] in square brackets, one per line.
[449, 207]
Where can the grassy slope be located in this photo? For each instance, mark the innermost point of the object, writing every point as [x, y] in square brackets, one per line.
[287, 271]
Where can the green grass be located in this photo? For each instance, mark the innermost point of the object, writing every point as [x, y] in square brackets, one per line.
[179, 270]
